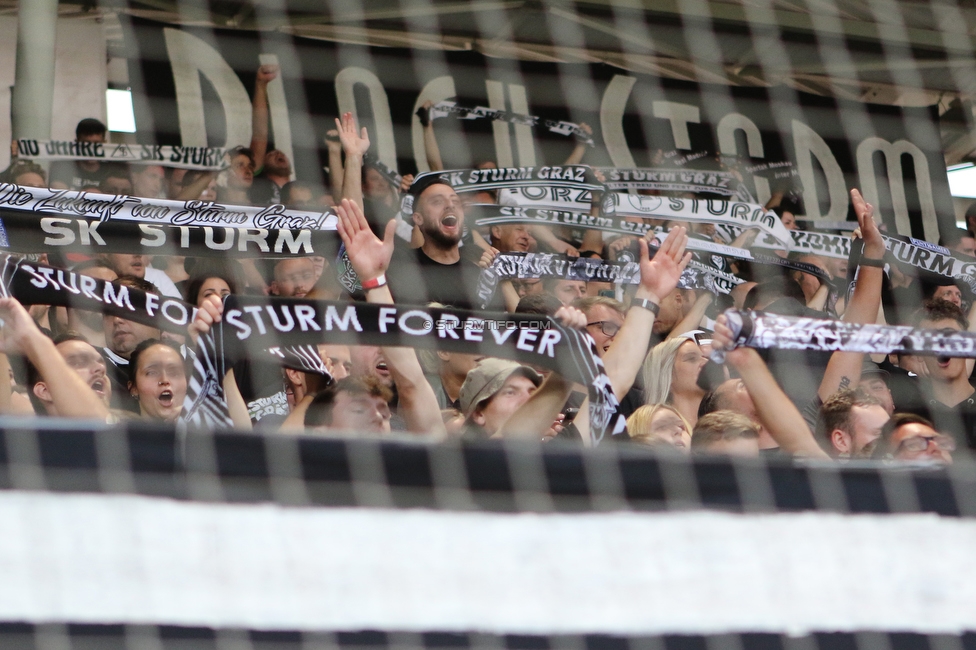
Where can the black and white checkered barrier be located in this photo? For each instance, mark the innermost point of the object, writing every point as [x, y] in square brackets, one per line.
[150, 537]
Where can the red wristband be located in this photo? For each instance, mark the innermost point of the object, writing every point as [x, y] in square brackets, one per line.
[375, 283]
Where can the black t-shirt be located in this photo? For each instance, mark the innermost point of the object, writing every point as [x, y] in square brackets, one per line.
[378, 214]
[905, 392]
[958, 421]
[264, 191]
[633, 400]
[416, 279]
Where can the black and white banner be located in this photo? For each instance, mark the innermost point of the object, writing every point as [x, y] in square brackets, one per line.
[837, 246]
[568, 187]
[736, 213]
[106, 207]
[491, 215]
[699, 275]
[206, 158]
[914, 256]
[263, 541]
[517, 266]
[251, 325]
[391, 175]
[28, 232]
[39, 284]
[925, 258]
[670, 180]
[761, 330]
[572, 177]
[488, 214]
[445, 109]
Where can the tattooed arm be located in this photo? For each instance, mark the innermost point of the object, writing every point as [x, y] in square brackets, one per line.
[844, 368]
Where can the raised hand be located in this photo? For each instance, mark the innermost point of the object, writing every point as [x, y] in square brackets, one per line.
[18, 327]
[354, 143]
[405, 183]
[874, 246]
[209, 313]
[487, 257]
[267, 74]
[369, 256]
[723, 340]
[659, 276]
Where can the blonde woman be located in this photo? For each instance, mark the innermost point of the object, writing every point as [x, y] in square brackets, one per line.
[670, 375]
[660, 425]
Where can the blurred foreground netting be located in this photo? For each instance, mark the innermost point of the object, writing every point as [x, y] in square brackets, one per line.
[243, 540]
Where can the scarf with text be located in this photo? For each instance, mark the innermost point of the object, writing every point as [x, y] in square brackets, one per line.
[670, 180]
[31, 283]
[204, 158]
[447, 108]
[491, 215]
[109, 207]
[252, 323]
[762, 330]
[519, 266]
[914, 256]
[579, 177]
[736, 213]
[28, 232]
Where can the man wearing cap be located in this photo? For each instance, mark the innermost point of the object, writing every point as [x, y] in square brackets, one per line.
[492, 392]
[440, 270]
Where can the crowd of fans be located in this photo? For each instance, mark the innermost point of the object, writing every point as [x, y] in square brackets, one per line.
[655, 339]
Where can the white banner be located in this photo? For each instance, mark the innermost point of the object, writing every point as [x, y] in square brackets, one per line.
[106, 207]
[736, 213]
[87, 558]
[211, 158]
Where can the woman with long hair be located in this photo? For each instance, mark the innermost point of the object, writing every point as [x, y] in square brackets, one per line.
[670, 376]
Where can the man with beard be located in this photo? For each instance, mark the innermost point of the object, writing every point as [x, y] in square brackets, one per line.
[851, 423]
[440, 270]
[276, 172]
[273, 168]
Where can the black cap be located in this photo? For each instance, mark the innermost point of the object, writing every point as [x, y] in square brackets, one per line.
[869, 368]
[422, 182]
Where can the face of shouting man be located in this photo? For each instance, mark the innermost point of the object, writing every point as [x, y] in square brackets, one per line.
[439, 216]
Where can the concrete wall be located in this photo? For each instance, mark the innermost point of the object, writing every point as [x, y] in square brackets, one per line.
[79, 73]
